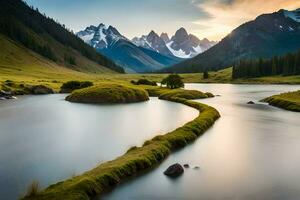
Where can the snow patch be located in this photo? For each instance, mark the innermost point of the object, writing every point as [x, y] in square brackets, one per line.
[102, 35]
[294, 15]
[87, 38]
[180, 53]
[198, 49]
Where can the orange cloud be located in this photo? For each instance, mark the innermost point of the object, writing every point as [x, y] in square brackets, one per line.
[226, 17]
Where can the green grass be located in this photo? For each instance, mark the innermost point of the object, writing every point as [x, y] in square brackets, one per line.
[186, 94]
[26, 67]
[137, 159]
[289, 101]
[108, 94]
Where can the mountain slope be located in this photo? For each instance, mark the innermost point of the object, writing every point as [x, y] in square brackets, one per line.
[268, 35]
[181, 45]
[110, 42]
[49, 39]
[24, 66]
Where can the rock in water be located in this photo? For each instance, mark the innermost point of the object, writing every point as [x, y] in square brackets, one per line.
[186, 166]
[174, 170]
[250, 102]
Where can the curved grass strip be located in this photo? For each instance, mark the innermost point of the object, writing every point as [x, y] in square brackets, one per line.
[288, 101]
[108, 175]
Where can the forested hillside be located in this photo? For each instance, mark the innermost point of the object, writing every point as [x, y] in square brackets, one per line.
[267, 36]
[278, 65]
[48, 38]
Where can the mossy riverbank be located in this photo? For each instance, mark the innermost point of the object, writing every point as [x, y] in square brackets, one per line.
[138, 159]
[108, 93]
[288, 101]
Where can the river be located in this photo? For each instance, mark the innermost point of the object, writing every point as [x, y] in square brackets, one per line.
[252, 152]
[47, 139]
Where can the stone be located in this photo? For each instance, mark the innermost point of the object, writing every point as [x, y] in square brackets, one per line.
[174, 171]
[186, 166]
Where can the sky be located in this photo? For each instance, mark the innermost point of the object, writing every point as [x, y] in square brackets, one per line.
[212, 19]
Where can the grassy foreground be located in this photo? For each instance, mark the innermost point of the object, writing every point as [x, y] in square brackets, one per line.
[137, 159]
[108, 93]
[289, 101]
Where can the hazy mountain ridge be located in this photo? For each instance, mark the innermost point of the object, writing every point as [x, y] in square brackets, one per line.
[181, 45]
[266, 36]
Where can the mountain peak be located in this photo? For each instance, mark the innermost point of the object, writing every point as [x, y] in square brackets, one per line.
[101, 25]
[165, 37]
[181, 32]
[152, 34]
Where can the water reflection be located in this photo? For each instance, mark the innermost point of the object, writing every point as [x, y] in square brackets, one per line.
[47, 139]
[252, 152]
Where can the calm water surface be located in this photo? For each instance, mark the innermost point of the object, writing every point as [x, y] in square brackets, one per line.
[47, 139]
[251, 153]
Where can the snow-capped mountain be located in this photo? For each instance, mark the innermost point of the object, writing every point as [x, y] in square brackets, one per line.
[268, 35]
[111, 43]
[153, 42]
[181, 45]
[100, 37]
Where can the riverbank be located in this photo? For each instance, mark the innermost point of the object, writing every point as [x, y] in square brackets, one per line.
[288, 101]
[18, 80]
[137, 159]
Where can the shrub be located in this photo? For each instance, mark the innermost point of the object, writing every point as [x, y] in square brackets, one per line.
[74, 85]
[144, 82]
[205, 75]
[173, 81]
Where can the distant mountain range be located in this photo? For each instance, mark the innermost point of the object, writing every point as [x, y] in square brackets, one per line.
[182, 44]
[110, 42]
[22, 27]
[146, 54]
[266, 36]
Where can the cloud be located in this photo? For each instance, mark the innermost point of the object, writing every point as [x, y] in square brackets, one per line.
[225, 15]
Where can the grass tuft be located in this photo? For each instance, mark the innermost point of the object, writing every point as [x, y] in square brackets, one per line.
[32, 189]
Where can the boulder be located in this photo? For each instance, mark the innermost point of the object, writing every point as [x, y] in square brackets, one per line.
[6, 95]
[174, 170]
[196, 167]
[250, 102]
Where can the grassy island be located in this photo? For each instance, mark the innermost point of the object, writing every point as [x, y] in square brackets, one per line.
[137, 159]
[289, 101]
[108, 93]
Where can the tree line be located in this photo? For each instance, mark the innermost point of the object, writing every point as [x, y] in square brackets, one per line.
[285, 65]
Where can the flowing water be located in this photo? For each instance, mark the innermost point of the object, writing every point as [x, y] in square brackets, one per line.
[47, 139]
[252, 152]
